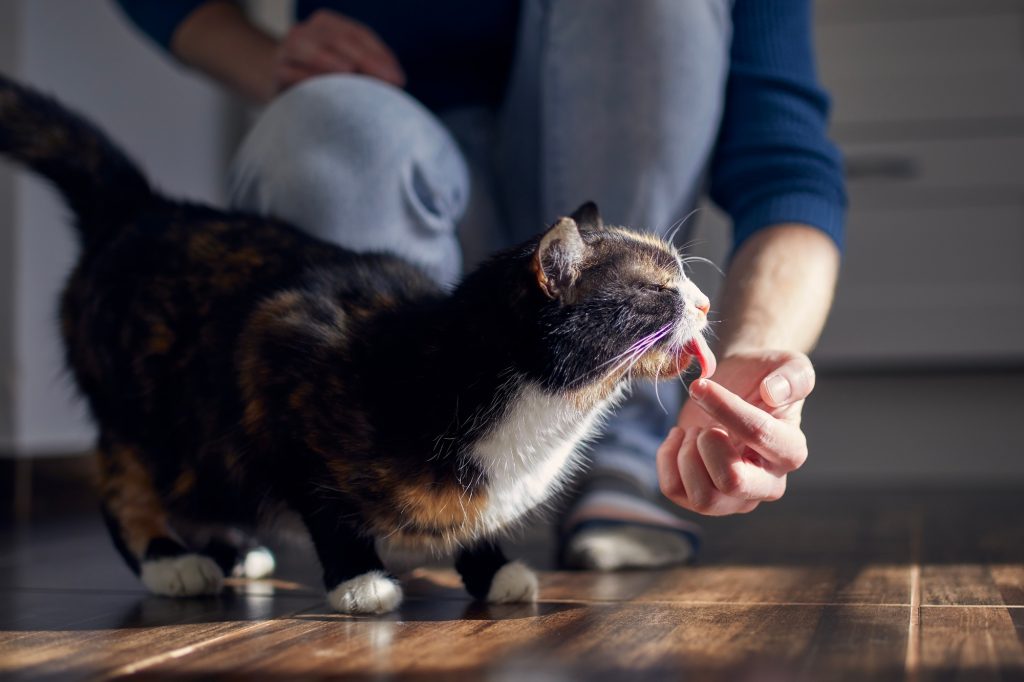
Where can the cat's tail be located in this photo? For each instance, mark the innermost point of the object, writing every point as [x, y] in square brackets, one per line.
[100, 183]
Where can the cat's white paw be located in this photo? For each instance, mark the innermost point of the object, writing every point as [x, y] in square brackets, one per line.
[372, 592]
[514, 583]
[613, 548]
[188, 575]
[258, 563]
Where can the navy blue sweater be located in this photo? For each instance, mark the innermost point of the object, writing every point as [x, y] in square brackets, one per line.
[772, 163]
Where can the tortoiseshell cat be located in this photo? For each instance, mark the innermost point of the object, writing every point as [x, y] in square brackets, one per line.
[235, 366]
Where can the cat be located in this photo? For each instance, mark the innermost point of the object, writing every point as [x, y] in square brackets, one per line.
[236, 366]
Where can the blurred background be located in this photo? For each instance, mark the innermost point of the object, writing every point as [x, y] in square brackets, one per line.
[921, 369]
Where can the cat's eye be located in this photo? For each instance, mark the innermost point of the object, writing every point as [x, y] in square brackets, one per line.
[652, 286]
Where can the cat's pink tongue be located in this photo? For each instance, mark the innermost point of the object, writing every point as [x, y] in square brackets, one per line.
[698, 348]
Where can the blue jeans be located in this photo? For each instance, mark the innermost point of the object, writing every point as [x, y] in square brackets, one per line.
[611, 100]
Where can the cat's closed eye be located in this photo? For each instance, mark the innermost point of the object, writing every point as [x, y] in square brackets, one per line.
[652, 286]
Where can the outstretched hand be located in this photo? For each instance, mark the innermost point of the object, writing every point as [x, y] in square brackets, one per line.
[738, 437]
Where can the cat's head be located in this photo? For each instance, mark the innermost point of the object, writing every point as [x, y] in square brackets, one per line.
[615, 304]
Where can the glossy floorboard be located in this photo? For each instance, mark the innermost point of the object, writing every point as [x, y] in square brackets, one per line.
[873, 586]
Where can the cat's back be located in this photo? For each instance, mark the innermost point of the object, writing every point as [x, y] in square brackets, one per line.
[151, 320]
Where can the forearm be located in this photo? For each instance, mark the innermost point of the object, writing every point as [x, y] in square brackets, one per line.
[218, 40]
[778, 290]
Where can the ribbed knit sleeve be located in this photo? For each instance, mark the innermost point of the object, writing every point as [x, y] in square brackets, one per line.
[159, 19]
[773, 162]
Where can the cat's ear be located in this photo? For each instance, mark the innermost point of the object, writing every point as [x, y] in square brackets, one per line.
[587, 217]
[559, 257]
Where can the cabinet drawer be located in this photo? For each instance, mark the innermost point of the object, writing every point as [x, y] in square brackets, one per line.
[918, 172]
[844, 11]
[924, 68]
[925, 284]
[922, 46]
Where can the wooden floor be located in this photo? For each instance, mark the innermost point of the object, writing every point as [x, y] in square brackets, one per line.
[865, 586]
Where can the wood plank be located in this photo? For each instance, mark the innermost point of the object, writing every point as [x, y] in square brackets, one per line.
[592, 641]
[78, 635]
[973, 551]
[844, 584]
[971, 643]
[973, 584]
[852, 583]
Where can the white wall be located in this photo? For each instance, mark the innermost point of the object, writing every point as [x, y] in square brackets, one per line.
[172, 122]
[8, 48]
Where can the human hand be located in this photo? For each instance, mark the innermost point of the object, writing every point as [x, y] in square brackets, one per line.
[738, 437]
[328, 42]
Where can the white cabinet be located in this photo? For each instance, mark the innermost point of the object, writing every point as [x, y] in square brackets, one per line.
[929, 111]
[928, 108]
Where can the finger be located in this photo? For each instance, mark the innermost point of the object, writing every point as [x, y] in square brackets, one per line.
[356, 42]
[317, 57]
[290, 73]
[373, 65]
[701, 494]
[374, 48]
[781, 443]
[790, 383]
[733, 475]
[668, 470]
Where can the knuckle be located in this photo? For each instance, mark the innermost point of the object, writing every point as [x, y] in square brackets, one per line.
[746, 509]
[802, 451]
[703, 501]
[671, 487]
[760, 430]
[796, 455]
[732, 483]
[777, 493]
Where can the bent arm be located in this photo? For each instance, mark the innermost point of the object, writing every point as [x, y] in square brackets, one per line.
[780, 178]
[211, 36]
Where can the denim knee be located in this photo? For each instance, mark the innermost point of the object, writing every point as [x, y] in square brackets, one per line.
[359, 163]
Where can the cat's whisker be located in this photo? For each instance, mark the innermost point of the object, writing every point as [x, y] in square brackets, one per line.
[640, 346]
[689, 215]
[701, 259]
[634, 358]
[671, 226]
[657, 394]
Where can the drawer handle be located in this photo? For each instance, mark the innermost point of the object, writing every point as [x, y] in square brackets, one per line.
[871, 167]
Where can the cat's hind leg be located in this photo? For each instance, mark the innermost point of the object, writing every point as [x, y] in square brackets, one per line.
[139, 526]
[489, 575]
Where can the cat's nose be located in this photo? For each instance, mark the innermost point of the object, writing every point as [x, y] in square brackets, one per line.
[704, 306]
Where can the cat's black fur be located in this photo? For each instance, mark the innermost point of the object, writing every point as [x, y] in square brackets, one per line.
[235, 365]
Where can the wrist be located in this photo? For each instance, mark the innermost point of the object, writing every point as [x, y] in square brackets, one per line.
[220, 41]
[778, 291]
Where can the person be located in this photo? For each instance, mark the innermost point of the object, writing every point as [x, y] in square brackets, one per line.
[442, 130]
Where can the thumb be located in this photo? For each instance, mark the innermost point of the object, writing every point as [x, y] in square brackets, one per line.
[790, 383]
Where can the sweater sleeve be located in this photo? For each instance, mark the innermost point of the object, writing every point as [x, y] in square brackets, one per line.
[159, 19]
[773, 162]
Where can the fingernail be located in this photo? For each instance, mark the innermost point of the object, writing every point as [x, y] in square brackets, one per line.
[698, 389]
[778, 388]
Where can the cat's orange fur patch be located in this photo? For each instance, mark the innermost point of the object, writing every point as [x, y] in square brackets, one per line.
[131, 498]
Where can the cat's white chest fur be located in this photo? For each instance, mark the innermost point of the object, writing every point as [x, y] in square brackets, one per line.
[531, 453]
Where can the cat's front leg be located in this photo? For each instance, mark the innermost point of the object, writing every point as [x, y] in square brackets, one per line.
[489, 575]
[354, 575]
